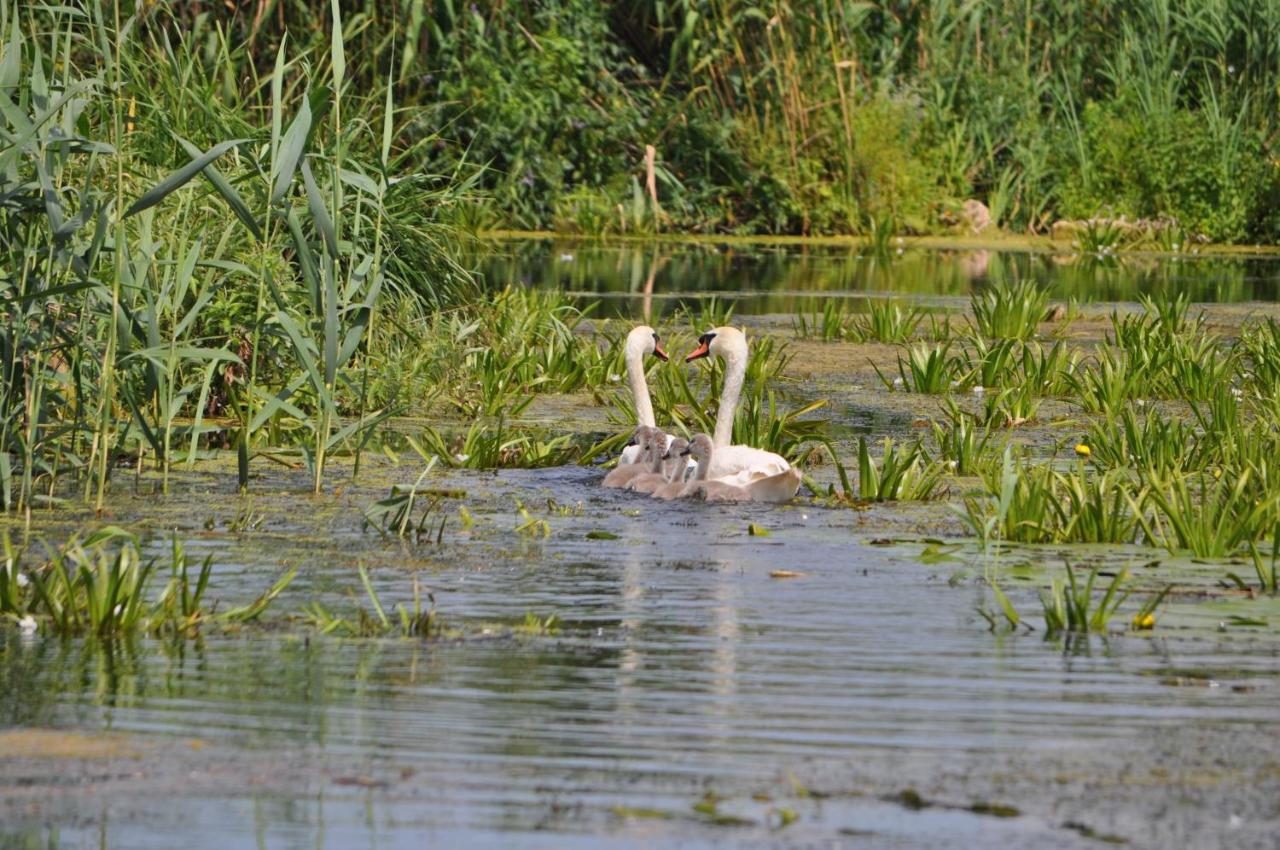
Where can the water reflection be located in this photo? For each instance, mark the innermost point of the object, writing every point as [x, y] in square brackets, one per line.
[637, 279]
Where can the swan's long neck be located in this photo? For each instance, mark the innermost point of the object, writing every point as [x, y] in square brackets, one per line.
[639, 386]
[734, 373]
[670, 465]
[703, 467]
[658, 450]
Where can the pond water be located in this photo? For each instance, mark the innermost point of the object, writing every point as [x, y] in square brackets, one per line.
[782, 279]
[686, 693]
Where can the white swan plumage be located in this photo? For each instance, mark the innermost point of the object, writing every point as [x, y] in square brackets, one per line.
[641, 340]
[739, 465]
[778, 487]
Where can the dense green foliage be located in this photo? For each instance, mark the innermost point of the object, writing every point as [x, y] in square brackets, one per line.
[184, 240]
[823, 117]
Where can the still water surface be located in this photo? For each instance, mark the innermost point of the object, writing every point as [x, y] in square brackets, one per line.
[786, 279]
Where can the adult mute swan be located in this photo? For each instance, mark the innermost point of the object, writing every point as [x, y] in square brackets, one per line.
[775, 488]
[739, 465]
[641, 341]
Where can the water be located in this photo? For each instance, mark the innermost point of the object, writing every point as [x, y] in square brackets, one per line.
[782, 279]
[685, 696]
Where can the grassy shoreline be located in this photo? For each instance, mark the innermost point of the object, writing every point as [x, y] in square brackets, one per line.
[1002, 241]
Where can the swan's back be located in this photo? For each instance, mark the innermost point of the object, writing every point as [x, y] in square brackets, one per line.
[741, 465]
[776, 488]
[718, 491]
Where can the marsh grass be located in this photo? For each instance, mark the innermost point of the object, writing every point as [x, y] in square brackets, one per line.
[529, 525]
[1101, 238]
[140, 328]
[1211, 516]
[927, 368]
[1027, 502]
[1044, 371]
[1047, 371]
[708, 313]
[1266, 569]
[1008, 310]
[1010, 407]
[101, 587]
[903, 473]
[1259, 346]
[394, 515]
[1108, 381]
[1169, 354]
[1152, 442]
[963, 445]
[1098, 508]
[831, 324]
[1019, 506]
[885, 321]
[1070, 606]
[495, 445]
[403, 621]
[986, 363]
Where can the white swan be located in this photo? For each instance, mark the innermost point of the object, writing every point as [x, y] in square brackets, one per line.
[641, 341]
[775, 488]
[622, 474]
[677, 468]
[738, 465]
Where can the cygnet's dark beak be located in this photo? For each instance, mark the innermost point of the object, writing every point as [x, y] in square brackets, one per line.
[631, 442]
[685, 452]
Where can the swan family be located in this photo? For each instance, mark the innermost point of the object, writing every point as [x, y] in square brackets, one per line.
[658, 463]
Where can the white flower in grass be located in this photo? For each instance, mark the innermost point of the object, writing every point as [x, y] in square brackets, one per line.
[28, 625]
[979, 390]
[22, 580]
[898, 383]
[614, 378]
[461, 458]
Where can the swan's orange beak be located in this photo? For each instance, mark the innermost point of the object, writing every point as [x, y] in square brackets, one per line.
[703, 349]
[658, 352]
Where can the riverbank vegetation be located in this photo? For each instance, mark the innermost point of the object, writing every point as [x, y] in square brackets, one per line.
[813, 118]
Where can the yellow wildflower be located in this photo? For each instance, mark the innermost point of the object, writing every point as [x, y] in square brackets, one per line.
[1143, 622]
[1083, 450]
